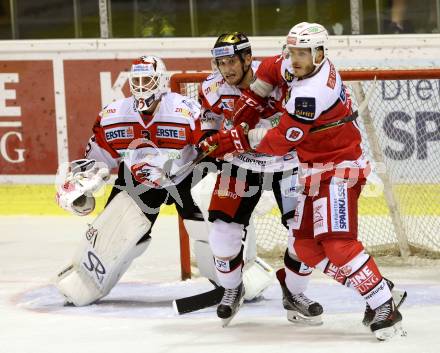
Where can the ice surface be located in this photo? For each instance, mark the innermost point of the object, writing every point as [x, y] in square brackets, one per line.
[137, 315]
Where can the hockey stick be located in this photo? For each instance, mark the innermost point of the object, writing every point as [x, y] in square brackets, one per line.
[198, 301]
[351, 117]
[191, 165]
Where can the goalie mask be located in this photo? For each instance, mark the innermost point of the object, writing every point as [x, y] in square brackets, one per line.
[308, 35]
[148, 81]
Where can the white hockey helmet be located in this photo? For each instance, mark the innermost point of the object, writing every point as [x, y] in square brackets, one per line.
[148, 80]
[308, 35]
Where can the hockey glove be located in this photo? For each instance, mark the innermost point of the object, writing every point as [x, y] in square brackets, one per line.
[248, 108]
[226, 141]
[146, 174]
[75, 194]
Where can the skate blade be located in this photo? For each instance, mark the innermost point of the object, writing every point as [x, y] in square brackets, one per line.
[225, 322]
[299, 319]
[389, 332]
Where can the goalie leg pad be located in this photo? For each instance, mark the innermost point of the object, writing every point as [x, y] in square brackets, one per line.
[198, 233]
[113, 240]
[204, 259]
[257, 276]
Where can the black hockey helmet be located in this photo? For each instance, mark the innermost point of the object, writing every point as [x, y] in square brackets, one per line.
[231, 43]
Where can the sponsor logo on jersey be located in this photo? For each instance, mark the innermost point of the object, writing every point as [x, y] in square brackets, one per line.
[339, 207]
[275, 121]
[119, 133]
[212, 88]
[288, 76]
[320, 216]
[184, 112]
[342, 95]
[305, 107]
[222, 194]
[331, 80]
[227, 104]
[171, 132]
[294, 134]
[109, 111]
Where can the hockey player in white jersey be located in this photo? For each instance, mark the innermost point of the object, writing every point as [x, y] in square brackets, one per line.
[231, 208]
[148, 137]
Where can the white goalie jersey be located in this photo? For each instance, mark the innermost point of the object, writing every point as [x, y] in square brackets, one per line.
[148, 144]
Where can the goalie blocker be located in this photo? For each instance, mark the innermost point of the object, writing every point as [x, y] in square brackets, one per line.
[113, 240]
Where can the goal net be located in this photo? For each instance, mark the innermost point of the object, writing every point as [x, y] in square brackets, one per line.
[399, 209]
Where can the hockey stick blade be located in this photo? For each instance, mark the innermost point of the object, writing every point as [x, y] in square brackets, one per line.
[198, 301]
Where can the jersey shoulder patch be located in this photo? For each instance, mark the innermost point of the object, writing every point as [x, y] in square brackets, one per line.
[119, 111]
[114, 108]
[305, 107]
[177, 108]
[211, 86]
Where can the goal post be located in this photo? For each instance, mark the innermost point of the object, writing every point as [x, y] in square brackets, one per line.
[399, 210]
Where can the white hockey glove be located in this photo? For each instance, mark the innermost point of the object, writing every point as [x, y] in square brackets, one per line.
[255, 136]
[76, 193]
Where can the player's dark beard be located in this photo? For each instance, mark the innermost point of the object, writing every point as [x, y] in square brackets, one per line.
[244, 74]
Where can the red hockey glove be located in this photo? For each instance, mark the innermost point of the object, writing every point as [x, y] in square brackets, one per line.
[227, 141]
[248, 108]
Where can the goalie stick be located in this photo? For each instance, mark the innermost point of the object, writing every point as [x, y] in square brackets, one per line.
[198, 301]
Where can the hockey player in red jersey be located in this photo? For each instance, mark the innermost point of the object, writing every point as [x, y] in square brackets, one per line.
[147, 136]
[233, 199]
[318, 122]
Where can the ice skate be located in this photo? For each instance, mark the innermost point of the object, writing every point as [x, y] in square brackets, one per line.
[231, 302]
[301, 309]
[399, 296]
[387, 321]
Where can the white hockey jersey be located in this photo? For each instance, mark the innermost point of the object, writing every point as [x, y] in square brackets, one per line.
[147, 144]
[218, 99]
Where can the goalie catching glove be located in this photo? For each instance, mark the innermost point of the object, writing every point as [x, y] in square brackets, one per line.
[76, 192]
[226, 141]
